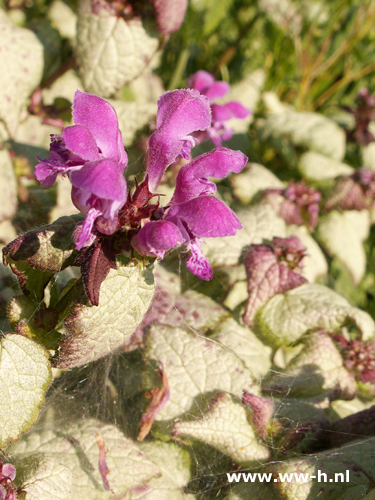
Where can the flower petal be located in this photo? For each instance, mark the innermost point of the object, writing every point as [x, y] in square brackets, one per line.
[156, 238]
[169, 14]
[197, 262]
[224, 112]
[102, 178]
[80, 141]
[9, 471]
[46, 172]
[87, 227]
[192, 179]
[180, 113]
[217, 90]
[201, 81]
[206, 216]
[101, 119]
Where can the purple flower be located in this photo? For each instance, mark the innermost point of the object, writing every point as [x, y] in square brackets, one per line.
[169, 14]
[205, 83]
[193, 213]
[180, 113]
[92, 154]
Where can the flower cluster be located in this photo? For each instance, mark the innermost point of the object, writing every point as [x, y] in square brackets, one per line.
[92, 155]
[363, 113]
[359, 357]
[354, 192]
[218, 130]
[299, 203]
[7, 488]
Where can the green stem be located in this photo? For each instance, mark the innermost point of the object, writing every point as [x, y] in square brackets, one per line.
[179, 69]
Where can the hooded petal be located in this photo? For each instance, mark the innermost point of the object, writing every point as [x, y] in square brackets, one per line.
[217, 90]
[180, 113]
[206, 216]
[156, 238]
[192, 179]
[197, 262]
[80, 141]
[102, 178]
[201, 81]
[101, 119]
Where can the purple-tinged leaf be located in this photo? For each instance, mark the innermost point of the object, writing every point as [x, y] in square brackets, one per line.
[180, 113]
[272, 269]
[359, 357]
[96, 262]
[261, 410]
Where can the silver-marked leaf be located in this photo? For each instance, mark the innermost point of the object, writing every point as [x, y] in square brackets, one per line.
[314, 263]
[271, 269]
[194, 366]
[285, 318]
[8, 185]
[243, 342]
[253, 179]
[318, 168]
[349, 474]
[343, 234]
[111, 52]
[43, 477]
[312, 131]
[65, 86]
[95, 331]
[25, 374]
[225, 426]
[259, 222]
[174, 464]
[21, 62]
[368, 155]
[301, 410]
[46, 248]
[133, 116]
[317, 370]
[76, 448]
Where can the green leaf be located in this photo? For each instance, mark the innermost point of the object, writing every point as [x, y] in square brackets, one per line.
[95, 331]
[225, 426]
[21, 60]
[244, 343]
[252, 180]
[110, 51]
[8, 183]
[76, 448]
[287, 317]
[343, 234]
[317, 370]
[25, 375]
[259, 222]
[195, 365]
[318, 168]
[42, 477]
